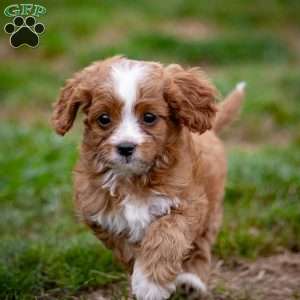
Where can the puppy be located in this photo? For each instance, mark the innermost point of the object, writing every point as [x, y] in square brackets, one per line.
[151, 173]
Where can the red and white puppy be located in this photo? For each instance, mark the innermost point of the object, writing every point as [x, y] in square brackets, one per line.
[150, 178]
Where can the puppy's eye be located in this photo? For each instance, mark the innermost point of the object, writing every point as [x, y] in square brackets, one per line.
[149, 118]
[104, 120]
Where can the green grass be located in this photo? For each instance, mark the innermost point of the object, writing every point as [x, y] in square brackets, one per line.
[240, 48]
[44, 251]
[49, 265]
[28, 83]
[262, 208]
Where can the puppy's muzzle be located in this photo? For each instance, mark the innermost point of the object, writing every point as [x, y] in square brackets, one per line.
[126, 149]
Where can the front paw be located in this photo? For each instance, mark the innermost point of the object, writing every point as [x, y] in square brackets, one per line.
[145, 289]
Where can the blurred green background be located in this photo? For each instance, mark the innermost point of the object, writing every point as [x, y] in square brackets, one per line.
[44, 252]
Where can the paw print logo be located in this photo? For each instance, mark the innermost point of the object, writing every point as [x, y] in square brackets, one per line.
[24, 32]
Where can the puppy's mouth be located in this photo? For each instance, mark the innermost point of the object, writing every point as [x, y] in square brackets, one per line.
[130, 165]
[127, 160]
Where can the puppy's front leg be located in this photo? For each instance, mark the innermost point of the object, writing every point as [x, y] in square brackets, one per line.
[162, 251]
[119, 245]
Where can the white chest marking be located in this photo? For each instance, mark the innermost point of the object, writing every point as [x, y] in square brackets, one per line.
[134, 216]
[126, 78]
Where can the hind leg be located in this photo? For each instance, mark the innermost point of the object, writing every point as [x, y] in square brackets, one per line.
[196, 268]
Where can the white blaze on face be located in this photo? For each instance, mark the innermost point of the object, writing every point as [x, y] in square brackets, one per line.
[126, 78]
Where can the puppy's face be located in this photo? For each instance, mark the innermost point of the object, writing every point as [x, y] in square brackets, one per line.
[132, 109]
[127, 121]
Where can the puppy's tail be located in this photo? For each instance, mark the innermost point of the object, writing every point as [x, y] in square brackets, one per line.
[229, 108]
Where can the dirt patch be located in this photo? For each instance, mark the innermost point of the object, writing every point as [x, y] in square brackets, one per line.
[276, 277]
[273, 278]
[27, 115]
[251, 137]
[188, 29]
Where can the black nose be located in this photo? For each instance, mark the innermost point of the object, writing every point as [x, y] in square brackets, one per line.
[126, 149]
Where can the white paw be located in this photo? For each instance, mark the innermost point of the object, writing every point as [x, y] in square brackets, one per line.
[145, 289]
[190, 285]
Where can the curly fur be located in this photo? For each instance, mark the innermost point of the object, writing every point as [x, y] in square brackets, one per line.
[161, 212]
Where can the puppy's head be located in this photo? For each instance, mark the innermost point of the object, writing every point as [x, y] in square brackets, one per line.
[132, 110]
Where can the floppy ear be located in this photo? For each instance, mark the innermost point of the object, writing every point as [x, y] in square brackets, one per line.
[191, 97]
[74, 94]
